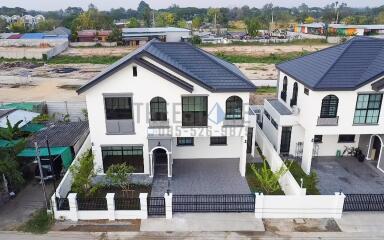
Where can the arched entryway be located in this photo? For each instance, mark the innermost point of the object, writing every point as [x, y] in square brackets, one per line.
[375, 150]
[160, 162]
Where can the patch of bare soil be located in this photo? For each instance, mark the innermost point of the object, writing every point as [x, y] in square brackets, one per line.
[97, 51]
[258, 98]
[304, 225]
[99, 226]
[255, 71]
[263, 50]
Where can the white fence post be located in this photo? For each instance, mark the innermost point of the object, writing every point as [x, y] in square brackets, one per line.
[111, 206]
[143, 205]
[259, 198]
[73, 206]
[168, 205]
[340, 197]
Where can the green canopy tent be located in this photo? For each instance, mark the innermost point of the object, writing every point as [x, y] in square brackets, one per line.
[64, 152]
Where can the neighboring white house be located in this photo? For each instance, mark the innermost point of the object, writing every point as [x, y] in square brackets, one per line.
[140, 36]
[167, 101]
[330, 100]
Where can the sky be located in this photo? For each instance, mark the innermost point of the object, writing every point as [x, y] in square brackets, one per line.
[156, 4]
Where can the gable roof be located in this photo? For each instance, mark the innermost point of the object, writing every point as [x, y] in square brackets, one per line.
[346, 66]
[201, 67]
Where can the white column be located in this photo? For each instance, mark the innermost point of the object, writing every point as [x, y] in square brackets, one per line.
[368, 155]
[151, 168]
[243, 156]
[54, 206]
[307, 152]
[169, 165]
[259, 198]
[111, 206]
[339, 204]
[73, 207]
[168, 205]
[143, 205]
[253, 141]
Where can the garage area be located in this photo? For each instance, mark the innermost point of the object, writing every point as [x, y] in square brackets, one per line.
[207, 176]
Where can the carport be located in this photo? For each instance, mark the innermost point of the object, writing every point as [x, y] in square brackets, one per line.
[207, 176]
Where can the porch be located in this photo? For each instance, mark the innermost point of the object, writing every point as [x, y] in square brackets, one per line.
[348, 175]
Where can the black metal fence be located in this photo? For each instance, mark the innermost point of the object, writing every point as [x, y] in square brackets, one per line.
[214, 203]
[92, 204]
[156, 206]
[127, 203]
[364, 202]
[62, 204]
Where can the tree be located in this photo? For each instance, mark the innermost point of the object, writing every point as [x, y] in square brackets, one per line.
[182, 23]
[309, 20]
[197, 22]
[9, 167]
[268, 180]
[214, 15]
[115, 36]
[196, 40]
[47, 25]
[3, 25]
[92, 19]
[144, 12]
[18, 27]
[133, 23]
[83, 172]
[380, 18]
[253, 26]
[11, 132]
[165, 19]
[117, 175]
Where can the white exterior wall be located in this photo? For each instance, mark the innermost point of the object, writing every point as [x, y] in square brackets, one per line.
[176, 36]
[144, 87]
[330, 145]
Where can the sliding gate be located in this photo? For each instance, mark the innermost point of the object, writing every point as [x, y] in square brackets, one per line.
[213, 203]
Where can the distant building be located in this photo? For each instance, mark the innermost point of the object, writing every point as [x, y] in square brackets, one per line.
[140, 36]
[93, 35]
[340, 29]
[58, 32]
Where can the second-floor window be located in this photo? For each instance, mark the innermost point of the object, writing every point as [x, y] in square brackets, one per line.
[158, 109]
[367, 109]
[194, 111]
[294, 95]
[233, 108]
[118, 108]
[329, 106]
[284, 91]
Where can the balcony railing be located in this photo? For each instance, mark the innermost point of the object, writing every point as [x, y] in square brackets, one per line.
[334, 121]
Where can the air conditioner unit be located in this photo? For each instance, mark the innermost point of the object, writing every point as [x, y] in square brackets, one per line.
[295, 110]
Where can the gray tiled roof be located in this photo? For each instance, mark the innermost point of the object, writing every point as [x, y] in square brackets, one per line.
[279, 106]
[343, 67]
[59, 134]
[205, 69]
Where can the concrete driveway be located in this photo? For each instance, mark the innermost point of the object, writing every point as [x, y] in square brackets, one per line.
[207, 176]
[348, 175]
[19, 209]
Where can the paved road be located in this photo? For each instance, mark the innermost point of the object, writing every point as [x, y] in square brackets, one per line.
[18, 210]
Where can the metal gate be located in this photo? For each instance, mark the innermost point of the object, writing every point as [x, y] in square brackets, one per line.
[363, 202]
[156, 206]
[214, 203]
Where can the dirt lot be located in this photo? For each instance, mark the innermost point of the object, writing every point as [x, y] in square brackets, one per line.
[258, 70]
[264, 50]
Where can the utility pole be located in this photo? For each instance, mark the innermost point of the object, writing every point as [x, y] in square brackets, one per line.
[153, 19]
[41, 175]
[51, 163]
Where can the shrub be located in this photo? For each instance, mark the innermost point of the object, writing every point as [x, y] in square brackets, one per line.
[40, 222]
[268, 180]
[309, 181]
[117, 175]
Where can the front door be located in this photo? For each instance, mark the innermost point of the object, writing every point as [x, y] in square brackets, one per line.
[161, 162]
[249, 140]
[285, 140]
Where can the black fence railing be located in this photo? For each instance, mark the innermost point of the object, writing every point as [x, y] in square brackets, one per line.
[214, 203]
[127, 203]
[92, 204]
[156, 206]
[62, 204]
[364, 202]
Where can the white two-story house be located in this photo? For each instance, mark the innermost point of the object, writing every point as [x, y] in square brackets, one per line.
[330, 100]
[168, 101]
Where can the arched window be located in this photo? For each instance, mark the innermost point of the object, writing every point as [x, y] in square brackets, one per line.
[284, 90]
[294, 95]
[233, 108]
[329, 106]
[158, 109]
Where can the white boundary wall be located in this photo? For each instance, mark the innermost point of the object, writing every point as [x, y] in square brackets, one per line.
[65, 185]
[287, 181]
[310, 206]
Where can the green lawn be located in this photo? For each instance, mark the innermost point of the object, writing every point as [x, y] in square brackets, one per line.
[270, 59]
[266, 90]
[63, 59]
[40, 222]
